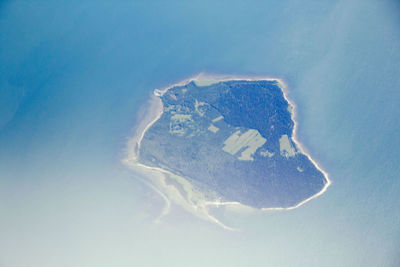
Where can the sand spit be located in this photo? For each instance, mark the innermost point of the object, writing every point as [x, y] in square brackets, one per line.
[196, 202]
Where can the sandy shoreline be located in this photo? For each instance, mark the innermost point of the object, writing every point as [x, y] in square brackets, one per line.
[153, 113]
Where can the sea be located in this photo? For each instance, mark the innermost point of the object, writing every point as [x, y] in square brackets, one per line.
[76, 77]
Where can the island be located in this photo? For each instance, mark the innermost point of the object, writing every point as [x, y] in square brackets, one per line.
[229, 142]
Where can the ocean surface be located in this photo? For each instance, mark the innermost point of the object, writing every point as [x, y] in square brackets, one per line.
[75, 76]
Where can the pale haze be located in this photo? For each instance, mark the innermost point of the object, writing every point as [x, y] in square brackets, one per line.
[75, 78]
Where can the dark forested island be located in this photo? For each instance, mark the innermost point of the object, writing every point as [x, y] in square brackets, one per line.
[232, 140]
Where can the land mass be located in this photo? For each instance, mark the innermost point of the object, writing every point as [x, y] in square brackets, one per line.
[232, 141]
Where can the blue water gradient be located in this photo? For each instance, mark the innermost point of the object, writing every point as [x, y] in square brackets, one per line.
[75, 74]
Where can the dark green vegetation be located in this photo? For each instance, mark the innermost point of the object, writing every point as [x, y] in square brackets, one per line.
[232, 139]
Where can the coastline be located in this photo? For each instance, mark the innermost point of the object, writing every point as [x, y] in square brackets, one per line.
[155, 111]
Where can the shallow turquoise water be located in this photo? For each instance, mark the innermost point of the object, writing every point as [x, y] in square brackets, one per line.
[74, 76]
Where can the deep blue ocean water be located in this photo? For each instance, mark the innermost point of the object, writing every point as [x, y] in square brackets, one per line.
[75, 74]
